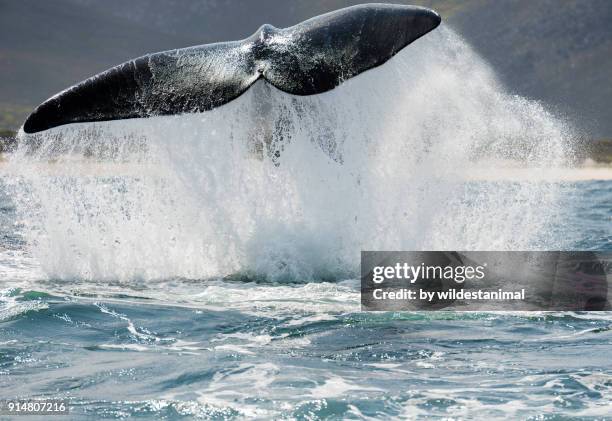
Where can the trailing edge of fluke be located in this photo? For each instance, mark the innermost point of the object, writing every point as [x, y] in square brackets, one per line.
[309, 58]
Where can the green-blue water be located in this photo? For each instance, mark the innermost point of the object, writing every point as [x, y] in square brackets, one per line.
[219, 349]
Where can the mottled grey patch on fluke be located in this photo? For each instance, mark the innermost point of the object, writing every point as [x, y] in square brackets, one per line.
[309, 58]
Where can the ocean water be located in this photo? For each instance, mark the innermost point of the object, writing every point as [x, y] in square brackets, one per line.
[205, 266]
[235, 349]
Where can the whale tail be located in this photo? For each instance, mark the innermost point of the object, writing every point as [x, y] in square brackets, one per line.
[309, 58]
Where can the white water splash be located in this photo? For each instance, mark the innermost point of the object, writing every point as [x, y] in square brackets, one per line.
[292, 188]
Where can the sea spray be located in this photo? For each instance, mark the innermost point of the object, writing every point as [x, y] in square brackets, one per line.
[284, 188]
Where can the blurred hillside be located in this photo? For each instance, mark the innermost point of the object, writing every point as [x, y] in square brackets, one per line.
[557, 51]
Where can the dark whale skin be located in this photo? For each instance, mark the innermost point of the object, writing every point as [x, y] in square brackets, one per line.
[309, 58]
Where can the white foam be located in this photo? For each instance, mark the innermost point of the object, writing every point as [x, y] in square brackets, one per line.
[295, 191]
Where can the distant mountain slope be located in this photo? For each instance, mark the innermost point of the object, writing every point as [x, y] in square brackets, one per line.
[558, 51]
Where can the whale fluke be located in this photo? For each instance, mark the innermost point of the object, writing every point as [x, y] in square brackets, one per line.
[309, 58]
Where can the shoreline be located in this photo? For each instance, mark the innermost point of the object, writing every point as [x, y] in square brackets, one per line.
[483, 171]
[558, 174]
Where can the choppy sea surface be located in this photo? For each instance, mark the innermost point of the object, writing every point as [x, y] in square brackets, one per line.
[223, 349]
